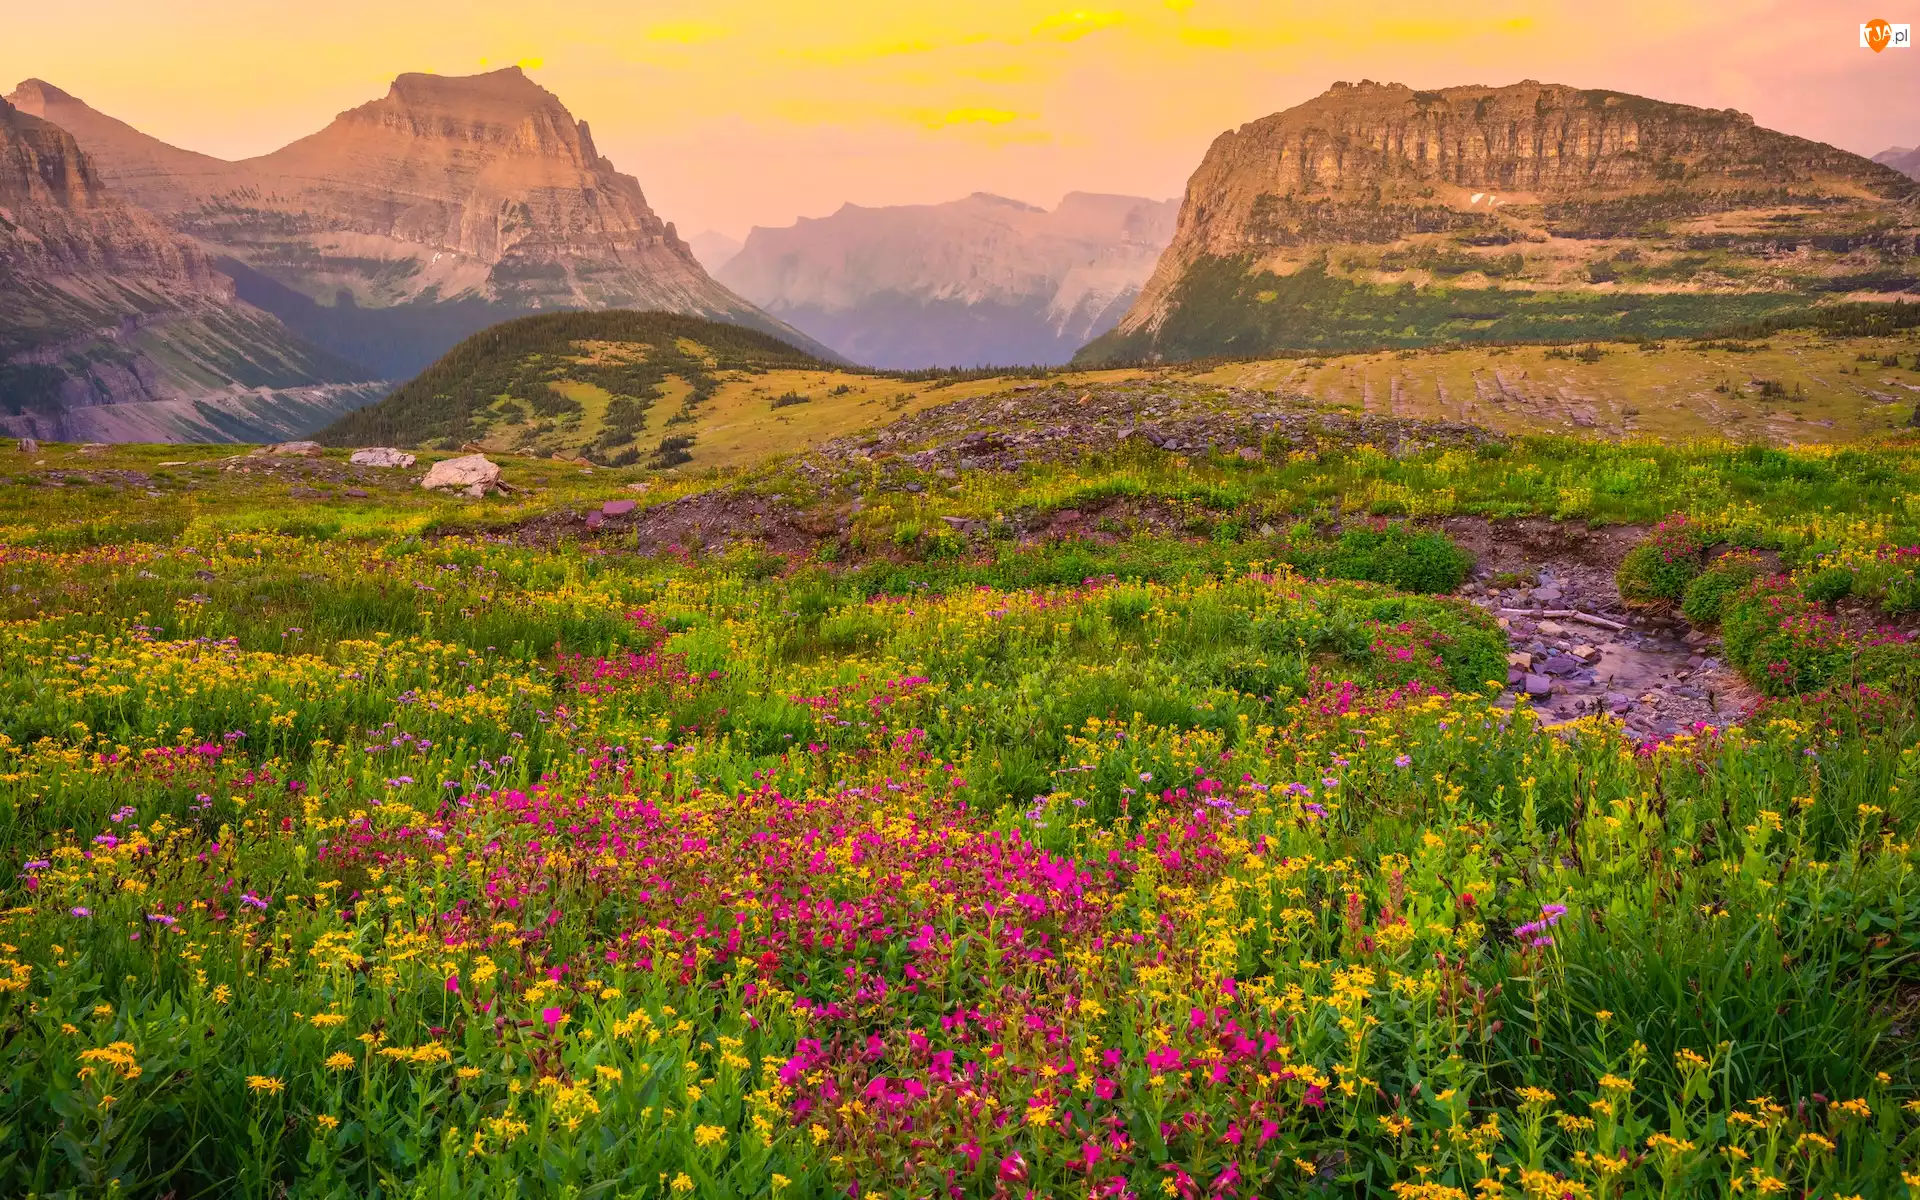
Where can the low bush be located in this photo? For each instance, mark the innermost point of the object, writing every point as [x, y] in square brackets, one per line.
[1708, 594]
[1396, 554]
[1786, 644]
[1658, 570]
[1829, 585]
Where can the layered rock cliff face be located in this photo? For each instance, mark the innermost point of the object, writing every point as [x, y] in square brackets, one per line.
[1509, 211]
[984, 280]
[102, 307]
[449, 204]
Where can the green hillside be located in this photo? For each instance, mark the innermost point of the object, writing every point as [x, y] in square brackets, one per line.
[539, 382]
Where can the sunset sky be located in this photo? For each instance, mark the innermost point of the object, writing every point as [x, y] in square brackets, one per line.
[741, 112]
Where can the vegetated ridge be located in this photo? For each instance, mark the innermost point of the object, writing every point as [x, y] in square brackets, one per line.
[532, 375]
[1375, 216]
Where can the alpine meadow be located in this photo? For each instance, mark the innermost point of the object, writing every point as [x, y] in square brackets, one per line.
[1371, 654]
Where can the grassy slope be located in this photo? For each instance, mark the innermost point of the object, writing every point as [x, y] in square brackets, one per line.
[1667, 392]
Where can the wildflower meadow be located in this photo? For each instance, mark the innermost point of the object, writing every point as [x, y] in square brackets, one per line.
[374, 863]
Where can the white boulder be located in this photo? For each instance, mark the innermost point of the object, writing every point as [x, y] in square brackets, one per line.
[381, 456]
[474, 474]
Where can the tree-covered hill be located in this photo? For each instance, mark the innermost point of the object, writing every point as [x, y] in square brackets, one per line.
[551, 367]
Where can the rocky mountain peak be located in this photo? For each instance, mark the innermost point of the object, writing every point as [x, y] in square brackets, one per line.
[1531, 189]
[501, 112]
[41, 164]
[36, 93]
[145, 170]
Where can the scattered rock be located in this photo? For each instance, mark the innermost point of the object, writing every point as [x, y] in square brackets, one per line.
[290, 450]
[356, 493]
[1583, 652]
[93, 448]
[1552, 629]
[28, 446]
[381, 456]
[1521, 659]
[595, 520]
[474, 474]
[1538, 685]
[617, 508]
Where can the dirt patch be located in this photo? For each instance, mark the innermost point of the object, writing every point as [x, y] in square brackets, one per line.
[1522, 543]
[707, 522]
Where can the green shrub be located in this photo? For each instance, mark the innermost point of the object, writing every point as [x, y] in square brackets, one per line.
[1398, 555]
[1658, 570]
[1704, 598]
[1891, 665]
[1782, 642]
[1825, 587]
[1902, 596]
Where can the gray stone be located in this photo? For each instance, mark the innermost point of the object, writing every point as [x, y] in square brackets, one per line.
[617, 508]
[1538, 685]
[596, 520]
[381, 456]
[291, 450]
[28, 446]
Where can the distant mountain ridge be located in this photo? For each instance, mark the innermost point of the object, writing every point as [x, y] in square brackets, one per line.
[983, 280]
[1903, 159]
[1377, 215]
[113, 327]
[448, 204]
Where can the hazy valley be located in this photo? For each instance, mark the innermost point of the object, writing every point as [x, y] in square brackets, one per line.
[975, 282]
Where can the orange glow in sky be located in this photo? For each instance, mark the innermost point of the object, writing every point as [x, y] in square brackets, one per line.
[741, 112]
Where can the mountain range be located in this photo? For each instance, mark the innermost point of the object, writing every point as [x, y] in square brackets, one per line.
[979, 281]
[449, 204]
[1376, 215]
[114, 327]
[151, 292]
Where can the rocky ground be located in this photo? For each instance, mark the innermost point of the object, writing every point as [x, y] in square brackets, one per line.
[1575, 649]
[1055, 422]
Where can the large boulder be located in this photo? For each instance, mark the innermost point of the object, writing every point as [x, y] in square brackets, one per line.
[291, 450]
[474, 474]
[28, 445]
[381, 456]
